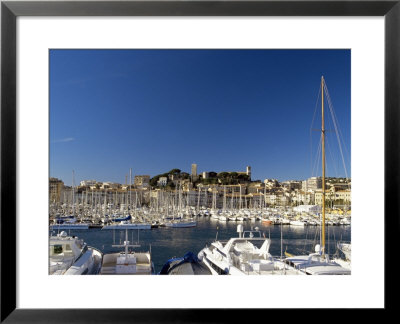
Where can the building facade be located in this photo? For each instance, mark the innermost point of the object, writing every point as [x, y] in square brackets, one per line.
[313, 183]
[194, 170]
[55, 189]
[142, 180]
[162, 181]
[88, 183]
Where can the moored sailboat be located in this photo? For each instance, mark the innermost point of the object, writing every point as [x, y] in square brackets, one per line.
[319, 263]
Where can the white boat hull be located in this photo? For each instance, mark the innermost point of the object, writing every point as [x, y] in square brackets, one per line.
[143, 226]
[69, 226]
[181, 224]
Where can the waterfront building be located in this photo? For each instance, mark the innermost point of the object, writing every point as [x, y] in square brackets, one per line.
[88, 183]
[344, 195]
[142, 180]
[340, 196]
[56, 187]
[312, 183]
[255, 188]
[110, 185]
[300, 197]
[162, 181]
[292, 185]
[339, 186]
[271, 183]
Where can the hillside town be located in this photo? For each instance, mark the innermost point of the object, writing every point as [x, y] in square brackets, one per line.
[211, 189]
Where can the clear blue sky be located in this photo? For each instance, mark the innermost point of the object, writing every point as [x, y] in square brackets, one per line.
[155, 110]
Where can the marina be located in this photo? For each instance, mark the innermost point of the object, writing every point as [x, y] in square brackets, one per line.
[172, 214]
[166, 242]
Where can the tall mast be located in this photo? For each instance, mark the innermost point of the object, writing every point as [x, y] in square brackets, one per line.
[130, 191]
[323, 169]
[73, 193]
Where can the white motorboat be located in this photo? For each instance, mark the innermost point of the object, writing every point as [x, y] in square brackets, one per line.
[127, 225]
[70, 255]
[317, 264]
[296, 223]
[247, 254]
[126, 262]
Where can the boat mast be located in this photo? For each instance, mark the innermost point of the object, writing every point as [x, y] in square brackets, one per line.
[130, 192]
[73, 193]
[323, 169]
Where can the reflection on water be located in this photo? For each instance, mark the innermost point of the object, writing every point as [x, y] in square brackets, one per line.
[167, 242]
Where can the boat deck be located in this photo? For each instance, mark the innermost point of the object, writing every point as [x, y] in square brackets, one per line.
[135, 264]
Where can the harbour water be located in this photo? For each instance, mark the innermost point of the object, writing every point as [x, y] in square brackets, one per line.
[166, 243]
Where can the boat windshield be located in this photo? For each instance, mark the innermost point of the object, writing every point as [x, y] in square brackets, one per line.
[251, 234]
[247, 244]
[57, 249]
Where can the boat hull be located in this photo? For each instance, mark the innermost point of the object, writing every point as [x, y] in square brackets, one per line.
[69, 226]
[183, 224]
[143, 226]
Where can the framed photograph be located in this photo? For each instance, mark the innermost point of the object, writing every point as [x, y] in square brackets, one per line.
[207, 74]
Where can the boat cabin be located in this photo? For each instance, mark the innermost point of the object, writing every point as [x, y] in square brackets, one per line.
[64, 251]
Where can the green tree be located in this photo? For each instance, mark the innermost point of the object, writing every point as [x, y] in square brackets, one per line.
[171, 185]
[154, 180]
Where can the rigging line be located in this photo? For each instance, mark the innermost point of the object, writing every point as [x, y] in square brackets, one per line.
[338, 138]
[312, 123]
[305, 240]
[335, 119]
[318, 157]
[340, 132]
[339, 141]
[336, 128]
[328, 240]
[333, 161]
[315, 236]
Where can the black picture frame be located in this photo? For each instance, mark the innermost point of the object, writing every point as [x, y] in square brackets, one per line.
[10, 10]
